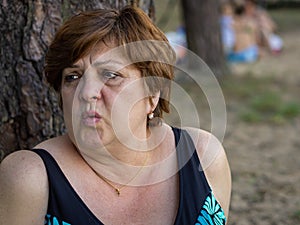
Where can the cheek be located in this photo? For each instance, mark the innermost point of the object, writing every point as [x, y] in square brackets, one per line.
[67, 99]
[108, 97]
[127, 109]
[67, 103]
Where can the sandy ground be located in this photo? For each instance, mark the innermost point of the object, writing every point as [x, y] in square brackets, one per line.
[265, 158]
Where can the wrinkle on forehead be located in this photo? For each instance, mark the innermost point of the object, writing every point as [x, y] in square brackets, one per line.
[103, 54]
[115, 56]
[108, 51]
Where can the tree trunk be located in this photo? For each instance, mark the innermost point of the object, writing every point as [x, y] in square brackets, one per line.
[29, 110]
[203, 32]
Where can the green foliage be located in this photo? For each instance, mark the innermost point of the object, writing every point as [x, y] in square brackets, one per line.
[296, 215]
[250, 116]
[267, 103]
[260, 99]
[270, 107]
[290, 110]
[245, 86]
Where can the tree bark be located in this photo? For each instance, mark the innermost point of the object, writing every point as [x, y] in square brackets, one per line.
[29, 110]
[203, 32]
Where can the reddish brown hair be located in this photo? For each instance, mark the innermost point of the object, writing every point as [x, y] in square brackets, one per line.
[81, 33]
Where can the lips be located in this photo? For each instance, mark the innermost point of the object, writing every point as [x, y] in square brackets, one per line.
[91, 118]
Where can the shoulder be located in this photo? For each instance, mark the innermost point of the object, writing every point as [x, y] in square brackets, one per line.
[62, 150]
[207, 145]
[23, 188]
[214, 164]
[22, 166]
[55, 144]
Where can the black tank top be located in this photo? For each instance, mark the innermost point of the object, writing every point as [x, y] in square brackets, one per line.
[197, 204]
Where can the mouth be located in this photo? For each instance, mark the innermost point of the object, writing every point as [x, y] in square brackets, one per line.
[91, 118]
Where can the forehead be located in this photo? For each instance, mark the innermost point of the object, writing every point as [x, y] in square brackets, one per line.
[106, 54]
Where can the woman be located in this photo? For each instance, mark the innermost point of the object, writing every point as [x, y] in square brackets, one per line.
[266, 35]
[245, 48]
[118, 163]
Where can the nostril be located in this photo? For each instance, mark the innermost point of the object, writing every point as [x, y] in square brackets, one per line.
[90, 96]
[91, 90]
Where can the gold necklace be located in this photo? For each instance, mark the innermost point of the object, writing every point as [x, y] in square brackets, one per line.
[118, 189]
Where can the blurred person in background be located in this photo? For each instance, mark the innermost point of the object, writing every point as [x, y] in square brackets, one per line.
[245, 48]
[227, 30]
[267, 28]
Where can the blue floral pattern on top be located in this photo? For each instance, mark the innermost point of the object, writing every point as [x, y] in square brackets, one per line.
[211, 213]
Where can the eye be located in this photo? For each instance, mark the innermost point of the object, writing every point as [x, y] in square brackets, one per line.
[109, 75]
[68, 78]
[112, 78]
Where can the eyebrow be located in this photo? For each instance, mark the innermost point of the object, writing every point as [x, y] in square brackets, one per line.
[100, 63]
[72, 67]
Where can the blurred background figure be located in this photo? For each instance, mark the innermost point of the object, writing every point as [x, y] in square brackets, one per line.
[245, 48]
[267, 37]
[226, 23]
[248, 31]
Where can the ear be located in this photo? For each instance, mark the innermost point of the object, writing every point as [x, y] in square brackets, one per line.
[153, 101]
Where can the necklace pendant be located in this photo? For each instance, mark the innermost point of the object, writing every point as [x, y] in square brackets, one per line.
[118, 191]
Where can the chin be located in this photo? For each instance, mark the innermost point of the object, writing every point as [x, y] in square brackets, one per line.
[88, 139]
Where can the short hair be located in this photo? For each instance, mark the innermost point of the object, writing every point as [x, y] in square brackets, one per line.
[82, 32]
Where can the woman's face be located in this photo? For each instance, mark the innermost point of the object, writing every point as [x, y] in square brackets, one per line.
[104, 101]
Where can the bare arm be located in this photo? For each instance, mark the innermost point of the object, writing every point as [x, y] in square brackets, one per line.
[23, 189]
[215, 165]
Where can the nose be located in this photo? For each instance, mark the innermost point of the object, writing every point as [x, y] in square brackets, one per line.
[91, 86]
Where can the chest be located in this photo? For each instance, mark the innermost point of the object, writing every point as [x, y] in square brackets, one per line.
[155, 204]
[150, 204]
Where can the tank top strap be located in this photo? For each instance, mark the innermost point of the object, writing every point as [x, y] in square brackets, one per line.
[187, 156]
[64, 205]
[193, 186]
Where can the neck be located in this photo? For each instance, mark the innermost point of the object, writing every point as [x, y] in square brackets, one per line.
[119, 172]
[118, 163]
